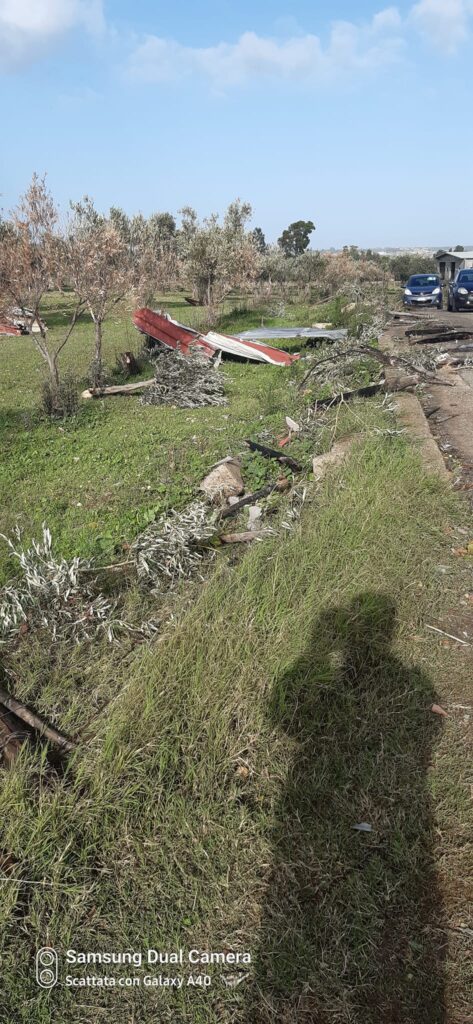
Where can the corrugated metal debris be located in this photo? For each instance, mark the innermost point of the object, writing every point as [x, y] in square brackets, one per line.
[160, 327]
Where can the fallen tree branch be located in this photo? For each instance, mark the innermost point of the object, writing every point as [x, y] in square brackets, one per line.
[441, 339]
[385, 358]
[250, 499]
[118, 389]
[450, 635]
[271, 453]
[243, 538]
[346, 396]
[35, 721]
[11, 737]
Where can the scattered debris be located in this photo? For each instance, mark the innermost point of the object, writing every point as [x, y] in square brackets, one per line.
[325, 368]
[271, 453]
[32, 719]
[245, 538]
[255, 513]
[224, 480]
[449, 635]
[438, 710]
[51, 593]
[440, 337]
[281, 485]
[402, 314]
[295, 506]
[346, 396]
[159, 327]
[309, 333]
[10, 329]
[18, 321]
[129, 364]
[363, 826]
[293, 426]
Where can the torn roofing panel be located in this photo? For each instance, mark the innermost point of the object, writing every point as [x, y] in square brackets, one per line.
[9, 329]
[170, 332]
[178, 336]
[250, 349]
[260, 333]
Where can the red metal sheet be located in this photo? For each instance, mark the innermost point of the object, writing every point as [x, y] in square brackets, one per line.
[182, 338]
[174, 335]
[9, 329]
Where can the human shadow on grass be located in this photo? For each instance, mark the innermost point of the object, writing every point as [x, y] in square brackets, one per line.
[351, 927]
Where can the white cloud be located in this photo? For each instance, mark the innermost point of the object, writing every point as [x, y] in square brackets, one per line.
[445, 23]
[28, 27]
[300, 57]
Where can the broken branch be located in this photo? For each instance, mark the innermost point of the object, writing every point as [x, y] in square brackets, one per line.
[35, 721]
[271, 453]
[250, 499]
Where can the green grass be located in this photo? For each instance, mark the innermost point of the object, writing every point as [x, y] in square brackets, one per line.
[212, 806]
[99, 478]
[220, 769]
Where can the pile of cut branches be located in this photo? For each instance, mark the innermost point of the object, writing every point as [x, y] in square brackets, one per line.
[185, 381]
[50, 594]
[168, 551]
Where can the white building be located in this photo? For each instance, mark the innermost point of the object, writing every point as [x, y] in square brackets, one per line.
[448, 263]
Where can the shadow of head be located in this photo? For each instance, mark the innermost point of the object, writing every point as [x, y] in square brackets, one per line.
[349, 667]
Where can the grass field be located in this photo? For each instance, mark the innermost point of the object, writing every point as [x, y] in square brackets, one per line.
[99, 478]
[211, 803]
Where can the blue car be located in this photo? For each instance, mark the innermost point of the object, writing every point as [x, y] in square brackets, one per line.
[460, 291]
[423, 290]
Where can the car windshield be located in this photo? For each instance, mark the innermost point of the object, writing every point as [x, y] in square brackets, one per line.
[466, 277]
[423, 280]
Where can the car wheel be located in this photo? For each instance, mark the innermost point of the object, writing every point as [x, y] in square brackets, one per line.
[440, 305]
[449, 304]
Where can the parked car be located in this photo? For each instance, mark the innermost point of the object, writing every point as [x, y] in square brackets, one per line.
[423, 290]
[460, 291]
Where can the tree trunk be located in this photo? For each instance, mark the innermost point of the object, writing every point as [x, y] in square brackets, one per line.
[98, 349]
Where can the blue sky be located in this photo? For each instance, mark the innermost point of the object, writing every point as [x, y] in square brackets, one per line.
[352, 116]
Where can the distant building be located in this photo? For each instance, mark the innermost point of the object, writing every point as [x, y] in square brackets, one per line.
[448, 263]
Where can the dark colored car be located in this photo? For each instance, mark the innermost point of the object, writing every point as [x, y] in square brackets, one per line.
[423, 290]
[460, 291]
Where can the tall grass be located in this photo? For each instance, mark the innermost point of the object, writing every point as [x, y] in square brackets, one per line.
[213, 806]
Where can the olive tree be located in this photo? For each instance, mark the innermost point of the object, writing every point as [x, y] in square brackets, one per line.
[218, 257]
[151, 246]
[32, 260]
[99, 268]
